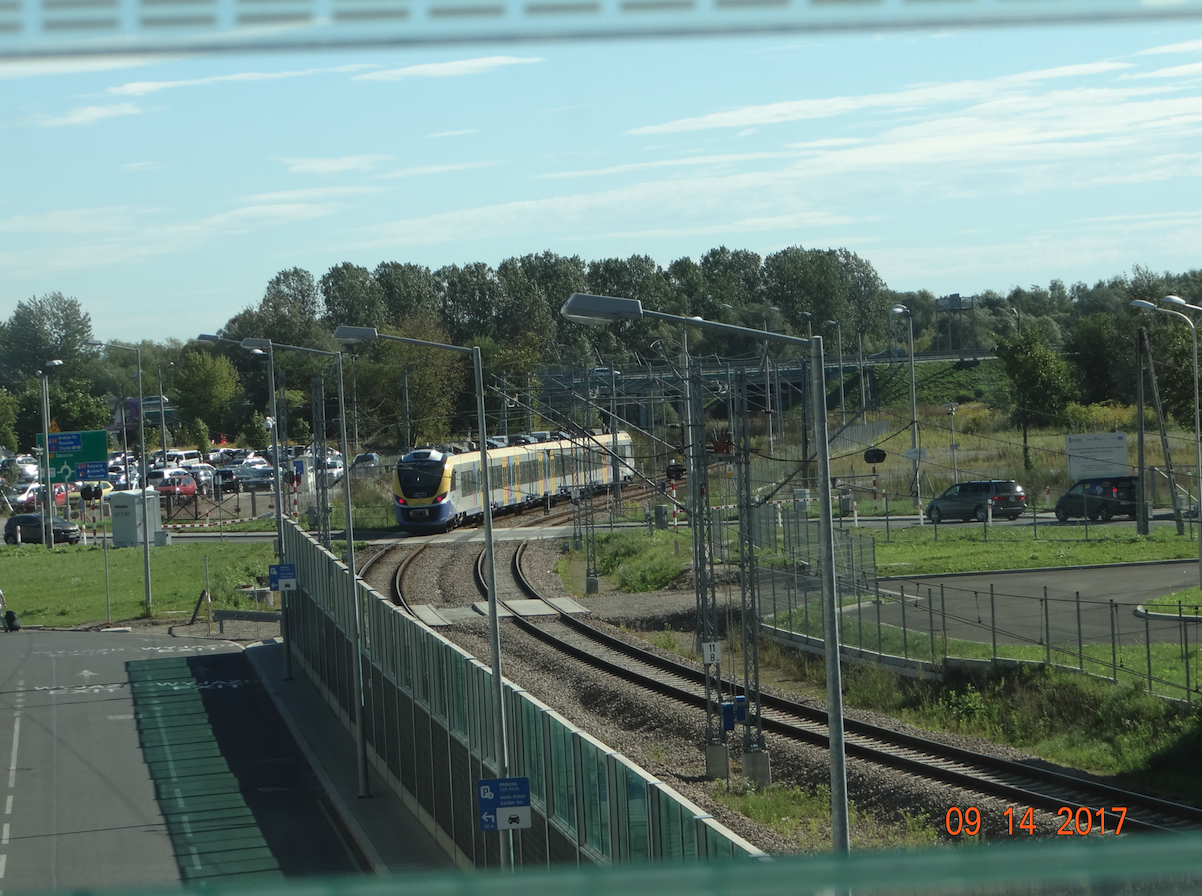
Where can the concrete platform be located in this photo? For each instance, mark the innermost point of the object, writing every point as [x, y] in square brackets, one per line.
[429, 615]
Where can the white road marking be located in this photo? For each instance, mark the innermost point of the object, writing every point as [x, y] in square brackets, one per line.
[195, 858]
[12, 762]
[4, 838]
[8, 805]
[124, 718]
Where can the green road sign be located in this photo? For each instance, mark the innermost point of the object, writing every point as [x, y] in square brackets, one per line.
[69, 450]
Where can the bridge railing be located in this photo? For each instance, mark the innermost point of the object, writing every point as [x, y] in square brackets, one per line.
[428, 721]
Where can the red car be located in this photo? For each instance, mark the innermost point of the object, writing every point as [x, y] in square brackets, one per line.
[181, 488]
[29, 499]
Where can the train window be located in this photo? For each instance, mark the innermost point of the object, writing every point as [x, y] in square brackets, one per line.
[454, 479]
[420, 476]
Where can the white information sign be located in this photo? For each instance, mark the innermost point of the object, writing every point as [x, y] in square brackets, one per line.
[1096, 454]
[711, 652]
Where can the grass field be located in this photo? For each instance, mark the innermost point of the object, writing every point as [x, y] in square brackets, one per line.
[66, 587]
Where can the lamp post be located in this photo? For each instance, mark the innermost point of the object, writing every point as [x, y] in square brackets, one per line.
[602, 310]
[368, 334]
[902, 309]
[356, 616]
[264, 347]
[162, 416]
[1178, 302]
[48, 485]
[952, 407]
[141, 461]
[842, 406]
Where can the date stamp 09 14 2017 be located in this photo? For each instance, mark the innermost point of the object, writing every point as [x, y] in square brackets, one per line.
[1073, 822]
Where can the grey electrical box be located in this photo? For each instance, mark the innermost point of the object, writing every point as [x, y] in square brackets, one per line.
[130, 508]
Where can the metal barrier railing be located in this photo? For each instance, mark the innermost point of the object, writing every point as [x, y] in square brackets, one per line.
[428, 711]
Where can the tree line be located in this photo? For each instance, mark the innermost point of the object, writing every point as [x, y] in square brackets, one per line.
[512, 312]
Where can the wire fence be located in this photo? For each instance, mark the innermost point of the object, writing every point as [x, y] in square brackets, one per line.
[918, 627]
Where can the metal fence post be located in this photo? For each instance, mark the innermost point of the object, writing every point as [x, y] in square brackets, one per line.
[1081, 641]
[905, 631]
[879, 653]
[1114, 656]
[1148, 645]
[943, 613]
[1047, 629]
[931, 621]
[993, 621]
[1185, 636]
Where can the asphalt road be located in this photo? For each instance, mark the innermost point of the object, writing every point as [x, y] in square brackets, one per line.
[1107, 602]
[142, 760]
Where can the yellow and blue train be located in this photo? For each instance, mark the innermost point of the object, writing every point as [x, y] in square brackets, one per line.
[435, 492]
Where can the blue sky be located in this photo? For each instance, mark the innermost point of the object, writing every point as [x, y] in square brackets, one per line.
[163, 193]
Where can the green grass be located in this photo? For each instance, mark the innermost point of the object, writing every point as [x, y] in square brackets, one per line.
[965, 547]
[66, 587]
[1188, 603]
[638, 563]
[804, 816]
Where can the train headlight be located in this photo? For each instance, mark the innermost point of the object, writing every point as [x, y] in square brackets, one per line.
[400, 500]
[438, 499]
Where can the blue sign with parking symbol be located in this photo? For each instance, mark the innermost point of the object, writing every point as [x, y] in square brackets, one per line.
[504, 803]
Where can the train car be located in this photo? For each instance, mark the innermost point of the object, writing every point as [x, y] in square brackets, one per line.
[435, 492]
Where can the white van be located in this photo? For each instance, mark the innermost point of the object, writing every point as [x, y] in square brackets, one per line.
[177, 457]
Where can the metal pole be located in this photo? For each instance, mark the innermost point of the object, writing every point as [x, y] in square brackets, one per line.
[142, 484]
[1197, 444]
[914, 420]
[275, 450]
[840, 827]
[163, 422]
[1047, 628]
[357, 615]
[48, 486]
[993, 621]
[494, 631]
[1080, 638]
[1114, 656]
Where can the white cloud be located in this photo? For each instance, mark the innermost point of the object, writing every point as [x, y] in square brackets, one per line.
[920, 96]
[424, 170]
[1189, 46]
[74, 221]
[452, 133]
[142, 88]
[141, 166]
[85, 115]
[311, 193]
[1177, 71]
[449, 69]
[687, 162]
[334, 166]
[34, 68]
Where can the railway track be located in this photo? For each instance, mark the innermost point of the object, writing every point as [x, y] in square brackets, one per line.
[1023, 785]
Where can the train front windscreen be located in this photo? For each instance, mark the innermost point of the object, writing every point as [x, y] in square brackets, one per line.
[420, 479]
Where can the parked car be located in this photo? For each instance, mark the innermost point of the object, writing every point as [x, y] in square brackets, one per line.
[1104, 497]
[32, 527]
[225, 479]
[368, 460]
[203, 474]
[117, 478]
[31, 497]
[254, 476]
[972, 500]
[90, 491]
[158, 474]
[20, 469]
[181, 488]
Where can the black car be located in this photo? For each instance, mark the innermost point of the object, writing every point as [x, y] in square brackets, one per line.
[31, 527]
[973, 500]
[1104, 497]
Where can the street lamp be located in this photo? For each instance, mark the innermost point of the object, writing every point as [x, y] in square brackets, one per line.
[1179, 302]
[163, 416]
[96, 343]
[368, 334]
[263, 348]
[902, 309]
[842, 407]
[48, 486]
[356, 616]
[952, 407]
[602, 310]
